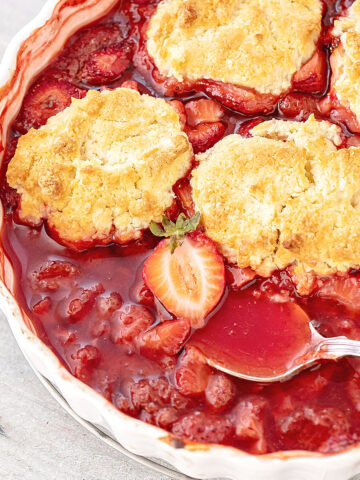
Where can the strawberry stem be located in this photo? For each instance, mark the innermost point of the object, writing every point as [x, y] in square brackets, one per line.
[176, 231]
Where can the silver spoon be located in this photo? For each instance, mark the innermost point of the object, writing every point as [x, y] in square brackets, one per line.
[320, 348]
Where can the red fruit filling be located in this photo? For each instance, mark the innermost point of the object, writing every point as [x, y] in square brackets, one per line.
[105, 66]
[45, 99]
[104, 322]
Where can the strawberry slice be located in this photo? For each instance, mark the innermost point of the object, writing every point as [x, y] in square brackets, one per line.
[45, 99]
[205, 135]
[190, 281]
[343, 290]
[193, 373]
[130, 84]
[183, 191]
[299, 106]
[237, 277]
[166, 338]
[312, 77]
[245, 128]
[353, 141]
[203, 111]
[95, 38]
[241, 99]
[105, 66]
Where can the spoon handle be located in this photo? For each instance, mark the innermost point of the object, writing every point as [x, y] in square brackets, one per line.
[337, 347]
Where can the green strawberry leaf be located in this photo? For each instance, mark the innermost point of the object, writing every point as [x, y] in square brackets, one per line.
[176, 231]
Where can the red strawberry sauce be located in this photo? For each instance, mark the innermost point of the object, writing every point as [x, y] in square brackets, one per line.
[92, 307]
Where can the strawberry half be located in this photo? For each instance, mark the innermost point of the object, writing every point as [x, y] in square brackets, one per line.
[299, 106]
[190, 281]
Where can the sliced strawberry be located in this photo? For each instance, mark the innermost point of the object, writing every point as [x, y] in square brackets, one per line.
[193, 373]
[145, 296]
[298, 105]
[105, 66]
[180, 110]
[166, 338]
[45, 99]
[173, 211]
[203, 111]
[130, 322]
[312, 77]
[343, 290]
[241, 99]
[205, 135]
[342, 114]
[183, 191]
[244, 129]
[190, 281]
[94, 38]
[237, 277]
[130, 84]
[219, 391]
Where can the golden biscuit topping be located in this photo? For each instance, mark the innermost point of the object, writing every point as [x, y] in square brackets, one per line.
[285, 196]
[345, 60]
[103, 168]
[258, 44]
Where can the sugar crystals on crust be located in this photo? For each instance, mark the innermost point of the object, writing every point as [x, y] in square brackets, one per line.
[258, 44]
[102, 169]
[285, 196]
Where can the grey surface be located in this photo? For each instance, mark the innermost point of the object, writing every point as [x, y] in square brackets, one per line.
[38, 439]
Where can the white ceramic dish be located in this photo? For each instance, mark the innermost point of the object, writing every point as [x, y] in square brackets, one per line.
[27, 54]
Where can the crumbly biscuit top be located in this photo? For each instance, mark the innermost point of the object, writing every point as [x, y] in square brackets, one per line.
[258, 44]
[285, 196]
[103, 167]
[346, 59]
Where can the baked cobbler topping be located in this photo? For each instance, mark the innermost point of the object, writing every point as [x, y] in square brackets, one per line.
[244, 43]
[256, 233]
[102, 169]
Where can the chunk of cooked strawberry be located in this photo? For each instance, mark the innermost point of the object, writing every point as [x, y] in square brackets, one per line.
[352, 141]
[241, 99]
[130, 84]
[310, 427]
[249, 422]
[245, 128]
[205, 135]
[166, 338]
[219, 391]
[190, 281]
[173, 211]
[106, 306]
[43, 306]
[105, 66]
[193, 373]
[237, 277]
[353, 390]
[312, 77]
[183, 191]
[94, 38]
[79, 307]
[203, 111]
[203, 427]
[45, 99]
[298, 105]
[50, 275]
[343, 290]
[180, 110]
[129, 323]
[342, 114]
[145, 296]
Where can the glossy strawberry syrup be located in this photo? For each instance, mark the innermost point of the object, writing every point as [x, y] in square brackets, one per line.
[91, 307]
